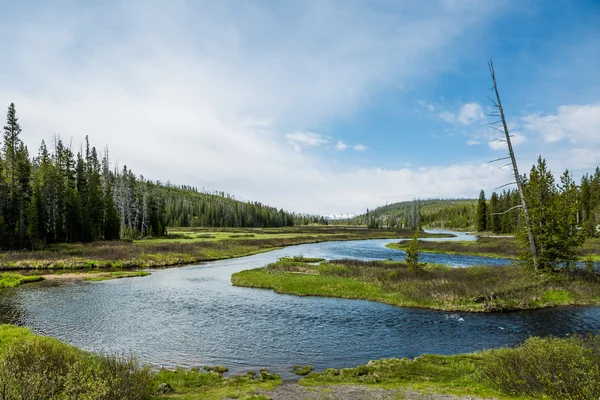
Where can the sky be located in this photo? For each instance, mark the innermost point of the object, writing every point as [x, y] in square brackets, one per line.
[310, 106]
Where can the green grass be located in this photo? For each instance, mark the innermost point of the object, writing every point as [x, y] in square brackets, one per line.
[302, 369]
[497, 247]
[183, 246]
[30, 363]
[116, 275]
[474, 289]
[540, 368]
[9, 280]
[37, 367]
[194, 384]
[302, 259]
[458, 374]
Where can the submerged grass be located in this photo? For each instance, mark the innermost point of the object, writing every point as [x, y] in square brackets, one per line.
[116, 275]
[8, 280]
[182, 246]
[474, 289]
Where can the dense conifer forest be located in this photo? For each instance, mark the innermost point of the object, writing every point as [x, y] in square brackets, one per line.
[58, 196]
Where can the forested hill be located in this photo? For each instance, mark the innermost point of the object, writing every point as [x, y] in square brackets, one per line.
[451, 213]
[59, 196]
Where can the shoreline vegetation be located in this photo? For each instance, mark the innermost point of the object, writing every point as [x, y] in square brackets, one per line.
[186, 246]
[490, 246]
[571, 371]
[434, 286]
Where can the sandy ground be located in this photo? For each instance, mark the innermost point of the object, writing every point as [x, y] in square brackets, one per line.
[293, 391]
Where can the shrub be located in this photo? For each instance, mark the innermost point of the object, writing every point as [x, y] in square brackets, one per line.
[549, 368]
[42, 368]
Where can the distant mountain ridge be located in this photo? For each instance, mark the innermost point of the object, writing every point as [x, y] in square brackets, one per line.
[338, 216]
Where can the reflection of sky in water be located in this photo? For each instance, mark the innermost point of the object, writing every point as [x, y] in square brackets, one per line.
[193, 316]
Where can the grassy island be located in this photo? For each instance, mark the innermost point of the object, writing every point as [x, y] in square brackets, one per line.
[474, 289]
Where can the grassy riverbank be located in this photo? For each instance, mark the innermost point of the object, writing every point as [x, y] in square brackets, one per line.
[494, 246]
[548, 368]
[8, 280]
[35, 364]
[474, 289]
[183, 246]
[32, 364]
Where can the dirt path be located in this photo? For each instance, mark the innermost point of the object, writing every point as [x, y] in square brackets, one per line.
[293, 391]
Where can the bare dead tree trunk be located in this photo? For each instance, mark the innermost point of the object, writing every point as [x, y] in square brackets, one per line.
[498, 105]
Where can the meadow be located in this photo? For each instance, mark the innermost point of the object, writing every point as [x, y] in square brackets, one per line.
[183, 246]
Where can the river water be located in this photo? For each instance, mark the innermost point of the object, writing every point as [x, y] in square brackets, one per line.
[192, 316]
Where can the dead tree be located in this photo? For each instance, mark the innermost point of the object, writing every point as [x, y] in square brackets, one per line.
[498, 105]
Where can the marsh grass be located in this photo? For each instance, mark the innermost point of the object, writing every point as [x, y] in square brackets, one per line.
[550, 368]
[195, 384]
[475, 289]
[505, 247]
[116, 275]
[484, 246]
[8, 280]
[36, 367]
[182, 246]
[540, 368]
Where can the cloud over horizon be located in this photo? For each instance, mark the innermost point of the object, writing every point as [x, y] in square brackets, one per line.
[250, 97]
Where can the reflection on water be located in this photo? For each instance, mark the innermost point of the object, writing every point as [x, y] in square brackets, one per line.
[192, 316]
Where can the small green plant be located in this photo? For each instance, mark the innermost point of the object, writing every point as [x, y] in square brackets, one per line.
[589, 265]
[219, 369]
[412, 253]
[302, 369]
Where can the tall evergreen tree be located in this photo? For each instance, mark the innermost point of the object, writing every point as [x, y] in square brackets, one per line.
[481, 219]
[494, 214]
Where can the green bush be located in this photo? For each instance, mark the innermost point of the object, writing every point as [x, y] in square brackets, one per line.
[547, 368]
[33, 368]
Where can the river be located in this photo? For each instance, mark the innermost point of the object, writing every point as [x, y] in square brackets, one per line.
[193, 316]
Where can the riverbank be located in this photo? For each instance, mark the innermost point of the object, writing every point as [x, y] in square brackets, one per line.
[490, 246]
[9, 280]
[186, 246]
[473, 289]
[571, 370]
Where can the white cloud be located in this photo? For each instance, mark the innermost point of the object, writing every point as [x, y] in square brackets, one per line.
[472, 142]
[360, 147]
[428, 106]
[469, 113]
[466, 115]
[448, 116]
[305, 139]
[203, 93]
[577, 123]
[341, 146]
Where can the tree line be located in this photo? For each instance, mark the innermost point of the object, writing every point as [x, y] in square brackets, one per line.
[58, 196]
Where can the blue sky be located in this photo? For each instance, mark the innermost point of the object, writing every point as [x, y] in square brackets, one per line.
[313, 106]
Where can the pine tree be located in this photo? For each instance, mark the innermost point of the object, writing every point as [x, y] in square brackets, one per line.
[412, 253]
[481, 220]
[494, 216]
